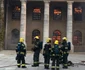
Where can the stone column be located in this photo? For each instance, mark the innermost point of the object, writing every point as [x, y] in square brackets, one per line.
[6, 29]
[70, 23]
[46, 22]
[23, 20]
[2, 24]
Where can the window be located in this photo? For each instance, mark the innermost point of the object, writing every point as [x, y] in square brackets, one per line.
[36, 14]
[35, 33]
[78, 13]
[15, 36]
[77, 38]
[57, 13]
[16, 12]
[56, 35]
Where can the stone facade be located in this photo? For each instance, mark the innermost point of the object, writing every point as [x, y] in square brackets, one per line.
[46, 25]
[2, 24]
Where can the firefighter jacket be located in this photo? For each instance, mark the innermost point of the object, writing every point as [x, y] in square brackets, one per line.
[20, 49]
[53, 53]
[37, 46]
[47, 49]
[65, 47]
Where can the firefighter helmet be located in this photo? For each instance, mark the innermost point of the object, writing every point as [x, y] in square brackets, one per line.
[36, 37]
[21, 40]
[64, 38]
[56, 42]
[48, 40]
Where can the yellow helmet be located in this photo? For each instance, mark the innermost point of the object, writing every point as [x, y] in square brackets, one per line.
[21, 40]
[48, 39]
[56, 42]
[36, 37]
[64, 38]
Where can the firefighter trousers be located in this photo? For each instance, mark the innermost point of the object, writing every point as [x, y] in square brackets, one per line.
[65, 60]
[46, 61]
[20, 60]
[36, 58]
[55, 63]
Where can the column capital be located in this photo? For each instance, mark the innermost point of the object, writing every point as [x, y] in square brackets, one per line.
[2, 0]
[46, 1]
[23, 0]
[70, 2]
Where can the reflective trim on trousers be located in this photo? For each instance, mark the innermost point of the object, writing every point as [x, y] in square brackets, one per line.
[21, 52]
[53, 67]
[50, 49]
[65, 64]
[23, 64]
[65, 52]
[18, 64]
[36, 62]
[57, 67]
[46, 64]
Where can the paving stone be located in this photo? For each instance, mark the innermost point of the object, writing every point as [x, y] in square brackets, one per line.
[8, 62]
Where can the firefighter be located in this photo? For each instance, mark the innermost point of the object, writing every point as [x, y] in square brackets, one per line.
[69, 48]
[61, 54]
[65, 52]
[36, 49]
[55, 55]
[46, 53]
[21, 53]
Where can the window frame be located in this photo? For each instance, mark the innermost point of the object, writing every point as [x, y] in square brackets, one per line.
[77, 38]
[15, 11]
[33, 14]
[56, 36]
[35, 30]
[15, 39]
[57, 9]
[79, 13]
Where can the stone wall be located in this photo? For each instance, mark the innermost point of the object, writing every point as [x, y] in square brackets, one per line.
[60, 0]
[2, 24]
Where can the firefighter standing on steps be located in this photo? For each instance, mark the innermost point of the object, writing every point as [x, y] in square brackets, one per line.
[36, 49]
[21, 53]
[46, 53]
[55, 55]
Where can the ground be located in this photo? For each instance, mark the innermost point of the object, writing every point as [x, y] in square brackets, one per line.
[8, 62]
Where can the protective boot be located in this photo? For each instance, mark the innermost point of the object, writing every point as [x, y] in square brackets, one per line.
[24, 67]
[52, 68]
[46, 67]
[18, 66]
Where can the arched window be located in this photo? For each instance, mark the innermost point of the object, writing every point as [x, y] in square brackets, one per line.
[77, 38]
[35, 33]
[15, 36]
[56, 35]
